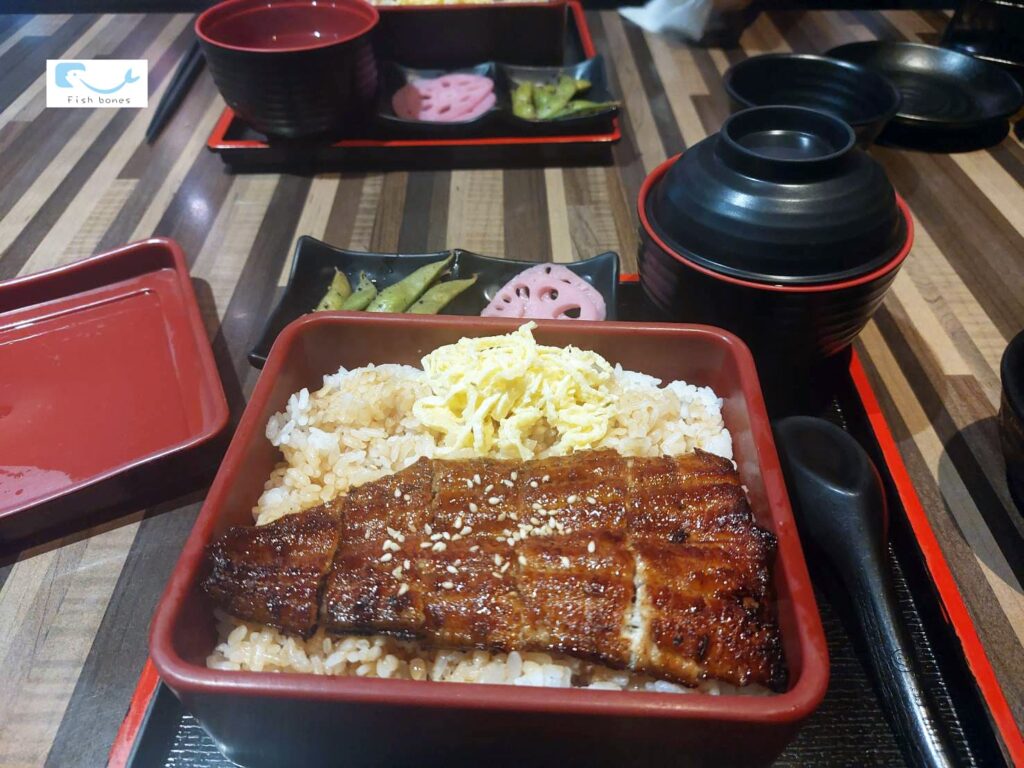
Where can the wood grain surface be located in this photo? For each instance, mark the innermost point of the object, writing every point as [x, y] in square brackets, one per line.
[74, 612]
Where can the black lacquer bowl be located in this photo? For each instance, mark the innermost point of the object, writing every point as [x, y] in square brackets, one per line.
[1011, 417]
[293, 68]
[777, 228]
[861, 97]
[942, 89]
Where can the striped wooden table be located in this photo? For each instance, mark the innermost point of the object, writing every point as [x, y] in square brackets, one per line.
[74, 613]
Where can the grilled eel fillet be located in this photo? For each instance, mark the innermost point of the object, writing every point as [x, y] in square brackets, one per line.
[648, 564]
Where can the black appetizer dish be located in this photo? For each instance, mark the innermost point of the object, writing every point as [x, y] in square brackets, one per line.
[315, 261]
[779, 229]
[864, 99]
[293, 68]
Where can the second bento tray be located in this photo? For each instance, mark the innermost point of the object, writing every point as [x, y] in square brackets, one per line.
[377, 146]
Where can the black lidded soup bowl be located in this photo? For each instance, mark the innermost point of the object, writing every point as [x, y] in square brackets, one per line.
[293, 68]
[778, 229]
[866, 100]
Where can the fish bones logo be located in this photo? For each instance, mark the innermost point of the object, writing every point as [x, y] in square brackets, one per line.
[109, 83]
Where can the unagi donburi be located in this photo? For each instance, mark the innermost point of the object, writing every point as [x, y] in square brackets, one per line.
[509, 513]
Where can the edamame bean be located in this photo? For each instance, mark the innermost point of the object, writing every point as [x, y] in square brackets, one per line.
[364, 293]
[338, 291]
[398, 297]
[438, 297]
[564, 91]
[522, 101]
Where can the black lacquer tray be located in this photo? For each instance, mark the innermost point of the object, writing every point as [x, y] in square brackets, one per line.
[849, 729]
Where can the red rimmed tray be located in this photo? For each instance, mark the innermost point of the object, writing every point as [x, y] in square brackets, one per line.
[849, 726]
[243, 149]
[107, 371]
[270, 719]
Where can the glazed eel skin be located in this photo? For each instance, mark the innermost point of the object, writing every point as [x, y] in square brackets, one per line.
[654, 565]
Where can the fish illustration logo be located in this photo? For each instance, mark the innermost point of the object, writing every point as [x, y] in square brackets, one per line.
[97, 83]
[67, 68]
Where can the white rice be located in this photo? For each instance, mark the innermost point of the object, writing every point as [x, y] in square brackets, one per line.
[360, 427]
[264, 649]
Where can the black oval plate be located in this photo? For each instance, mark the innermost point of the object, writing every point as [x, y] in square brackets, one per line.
[314, 263]
[942, 89]
[499, 120]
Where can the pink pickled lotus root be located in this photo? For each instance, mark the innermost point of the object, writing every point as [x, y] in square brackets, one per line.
[547, 291]
[446, 99]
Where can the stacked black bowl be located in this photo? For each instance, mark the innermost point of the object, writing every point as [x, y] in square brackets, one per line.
[864, 99]
[779, 229]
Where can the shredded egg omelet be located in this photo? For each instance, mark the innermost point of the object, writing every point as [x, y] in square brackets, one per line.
[509, 396]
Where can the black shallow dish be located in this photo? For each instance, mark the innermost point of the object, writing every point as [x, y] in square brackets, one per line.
[942, 89]
[591, 69]
[314, 263]
[395, 76]
[1011, 417]
[780, 196]
[500, 118]
[861, 97]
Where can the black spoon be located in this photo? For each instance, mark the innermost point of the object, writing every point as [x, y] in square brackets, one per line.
[840, 509]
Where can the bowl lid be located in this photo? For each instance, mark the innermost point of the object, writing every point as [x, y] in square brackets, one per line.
[779, 195]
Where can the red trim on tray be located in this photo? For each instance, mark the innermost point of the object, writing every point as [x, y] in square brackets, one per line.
[576, 8]
[218, 141]
[952, 602]
[645, 224]
[121, 749]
